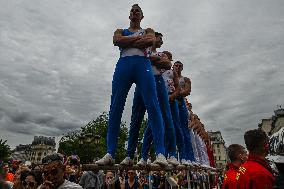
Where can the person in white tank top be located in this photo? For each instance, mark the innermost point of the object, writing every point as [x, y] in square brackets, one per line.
[185, 89]
[184, 82]
[159, 61]
[133, 67]
[172, 84]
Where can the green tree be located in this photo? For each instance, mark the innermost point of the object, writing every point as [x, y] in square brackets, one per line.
[70, 143]
[5, 150]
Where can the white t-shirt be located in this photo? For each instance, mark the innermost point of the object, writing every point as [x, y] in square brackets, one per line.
[168, 76]
[67, 185]
[134, 51]
[149, 53]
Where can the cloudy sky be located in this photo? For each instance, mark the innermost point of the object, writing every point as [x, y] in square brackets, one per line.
[57, 61]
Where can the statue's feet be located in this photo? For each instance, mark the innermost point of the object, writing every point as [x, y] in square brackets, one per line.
[185, 162]
[106, 160]
[127, 162]
[142, 162]
[194, 164]
[173, 161]
[161, 160]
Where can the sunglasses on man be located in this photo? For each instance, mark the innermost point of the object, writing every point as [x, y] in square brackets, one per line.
[52, 157]
[30, 184]
[51, 172]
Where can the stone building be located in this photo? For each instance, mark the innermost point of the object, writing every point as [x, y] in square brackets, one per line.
[274, 127]
[274, 123]
[219, 149]
[40, 147]
[22, 152]
[266, 125]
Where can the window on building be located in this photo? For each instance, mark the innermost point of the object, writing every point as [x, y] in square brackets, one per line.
[218, 146]
[219, 151]
[219, 157]
[39, 153]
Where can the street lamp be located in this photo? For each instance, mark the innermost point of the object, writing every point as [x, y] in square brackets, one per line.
[88, 139]
[81, 140]
[97, 139]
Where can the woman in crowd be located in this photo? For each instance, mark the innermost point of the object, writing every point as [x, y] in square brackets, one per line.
[131, 181]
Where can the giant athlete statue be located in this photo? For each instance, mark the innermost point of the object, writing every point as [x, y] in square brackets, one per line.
[134, 67]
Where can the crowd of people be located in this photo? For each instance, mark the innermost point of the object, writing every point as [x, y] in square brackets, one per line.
[58, 172]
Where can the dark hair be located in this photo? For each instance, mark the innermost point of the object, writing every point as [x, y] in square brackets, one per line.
[234, 150]
[169, 55]
[178, 62]
[37, 176]
[255, 141]
[53, 157]
[158, 34]
[136, 5]
[26, 173]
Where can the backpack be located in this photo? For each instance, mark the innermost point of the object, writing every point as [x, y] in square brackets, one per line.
[92, 181]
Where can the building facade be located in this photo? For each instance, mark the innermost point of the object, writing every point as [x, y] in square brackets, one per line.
[274, 127]
[21, 152]
[274, 123]
[40, 147]
[219, 149]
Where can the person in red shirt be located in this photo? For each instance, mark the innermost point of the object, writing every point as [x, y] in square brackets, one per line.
[256, 172]
[237, 155]
[8, 175]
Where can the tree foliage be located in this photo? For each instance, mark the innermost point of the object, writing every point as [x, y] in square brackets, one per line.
[5, 150]
[69, 144]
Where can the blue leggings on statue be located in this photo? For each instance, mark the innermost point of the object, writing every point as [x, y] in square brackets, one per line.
[129, 70]
[178, 130]
[138, 112]
[183, 114]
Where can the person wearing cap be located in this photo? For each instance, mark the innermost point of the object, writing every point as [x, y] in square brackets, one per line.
[53, 173]
[237, 155]
[256, 173]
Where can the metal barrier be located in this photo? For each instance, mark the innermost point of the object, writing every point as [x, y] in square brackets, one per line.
[196, 177]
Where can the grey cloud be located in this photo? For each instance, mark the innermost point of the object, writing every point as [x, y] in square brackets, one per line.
[232, 129]
[57, 61]
[27, 123]
[21, 117]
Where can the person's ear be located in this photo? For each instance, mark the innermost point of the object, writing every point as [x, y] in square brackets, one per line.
[266, 147]
[63, 167]
[240, 156]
